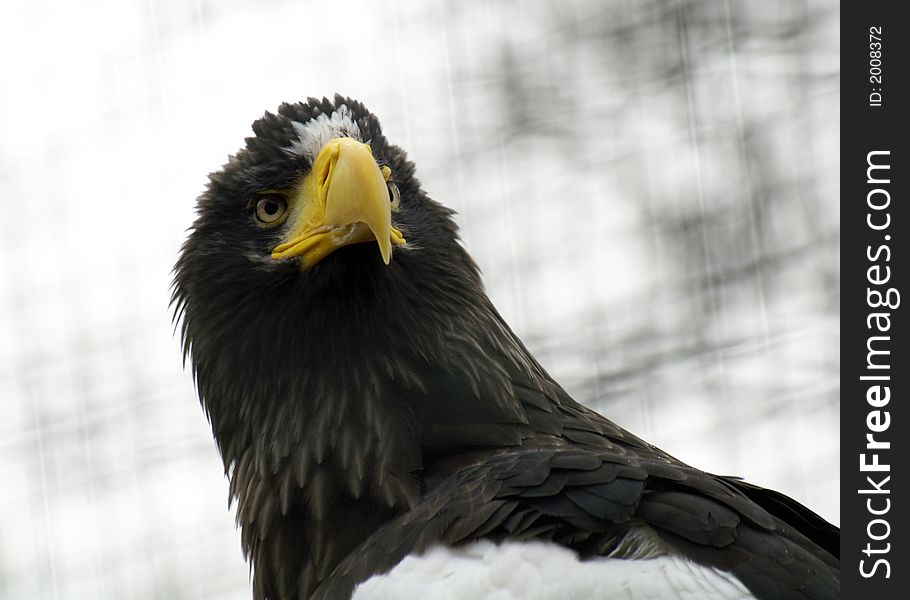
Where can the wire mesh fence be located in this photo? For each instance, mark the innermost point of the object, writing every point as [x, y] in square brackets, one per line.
[649, 188]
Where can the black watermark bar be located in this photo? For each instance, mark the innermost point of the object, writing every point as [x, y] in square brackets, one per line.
[875, 373]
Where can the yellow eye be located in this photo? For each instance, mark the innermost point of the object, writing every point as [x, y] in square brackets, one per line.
[394, 196]
[271, 209]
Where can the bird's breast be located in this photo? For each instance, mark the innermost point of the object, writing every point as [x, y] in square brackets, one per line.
[542, 571]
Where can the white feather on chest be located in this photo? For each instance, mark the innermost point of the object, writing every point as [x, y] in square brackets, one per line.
[542, 571]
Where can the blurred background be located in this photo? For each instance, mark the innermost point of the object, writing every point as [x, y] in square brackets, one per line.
[650, 188]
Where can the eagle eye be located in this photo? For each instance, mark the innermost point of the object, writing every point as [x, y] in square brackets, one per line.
[394, 196]
[271, 209]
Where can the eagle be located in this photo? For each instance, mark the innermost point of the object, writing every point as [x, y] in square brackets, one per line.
[381, 425]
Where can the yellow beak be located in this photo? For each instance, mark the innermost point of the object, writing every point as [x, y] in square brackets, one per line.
[343, 200]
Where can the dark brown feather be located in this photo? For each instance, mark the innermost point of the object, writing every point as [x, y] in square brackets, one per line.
[365, 412]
